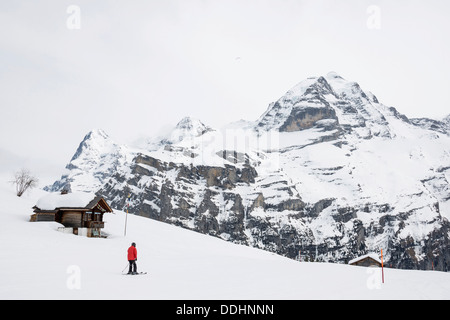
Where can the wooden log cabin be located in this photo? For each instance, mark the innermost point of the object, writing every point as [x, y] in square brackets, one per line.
[368, 260]
[80, 213]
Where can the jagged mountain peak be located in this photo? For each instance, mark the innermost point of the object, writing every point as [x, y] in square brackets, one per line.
[96, 137]
[334, 84]
[188, 127]
[348, 89]
[333, 75]
[319, 98]
[95, 159]
[306, 86]
[96, 133]
[96, 141]
[190, 123]
[331, 83]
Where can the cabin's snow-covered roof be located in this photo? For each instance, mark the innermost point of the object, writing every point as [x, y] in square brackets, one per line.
[372, 255]
[70, 200]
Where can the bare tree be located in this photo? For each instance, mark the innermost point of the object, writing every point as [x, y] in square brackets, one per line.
[24, 181]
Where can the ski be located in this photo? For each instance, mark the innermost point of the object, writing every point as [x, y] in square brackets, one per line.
[134, 274]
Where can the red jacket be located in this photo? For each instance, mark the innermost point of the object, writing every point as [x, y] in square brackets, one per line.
[132, 253]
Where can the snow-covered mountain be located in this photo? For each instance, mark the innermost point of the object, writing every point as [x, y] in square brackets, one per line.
[442, 126]
[187, 128]
[95, 160]
[327, 171]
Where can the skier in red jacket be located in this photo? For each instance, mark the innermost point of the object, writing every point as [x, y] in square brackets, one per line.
[132, 258]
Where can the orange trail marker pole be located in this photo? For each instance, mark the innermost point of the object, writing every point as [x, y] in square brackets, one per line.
[382, 269]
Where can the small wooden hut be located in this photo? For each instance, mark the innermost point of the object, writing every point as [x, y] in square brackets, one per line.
[80, 213]
[368, 260]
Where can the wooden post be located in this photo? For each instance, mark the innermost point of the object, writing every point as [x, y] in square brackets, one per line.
[382, 268]
[125, 230]
[126, 216]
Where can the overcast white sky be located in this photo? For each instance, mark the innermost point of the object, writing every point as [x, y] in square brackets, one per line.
[135, 67]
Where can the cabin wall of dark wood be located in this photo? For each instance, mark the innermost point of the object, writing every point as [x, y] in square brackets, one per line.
[43, 217]
[71, 219]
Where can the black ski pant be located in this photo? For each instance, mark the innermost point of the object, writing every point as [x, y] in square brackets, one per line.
[132, 266]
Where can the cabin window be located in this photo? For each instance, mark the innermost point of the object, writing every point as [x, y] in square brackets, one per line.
[88, 216]
[97, 216]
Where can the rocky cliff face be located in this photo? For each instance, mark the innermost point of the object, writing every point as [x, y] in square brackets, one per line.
[327, 171]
